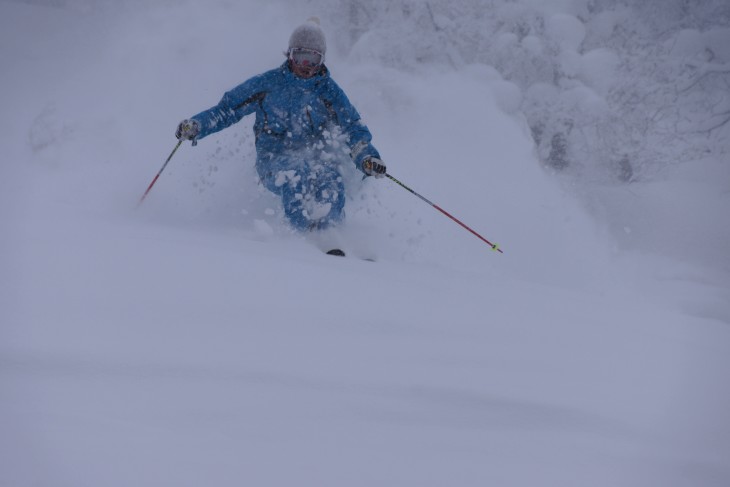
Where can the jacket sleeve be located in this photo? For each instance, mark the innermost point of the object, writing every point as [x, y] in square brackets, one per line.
[235, 104]
[349, 120]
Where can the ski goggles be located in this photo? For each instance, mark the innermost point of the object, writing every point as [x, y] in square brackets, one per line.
[305, 57]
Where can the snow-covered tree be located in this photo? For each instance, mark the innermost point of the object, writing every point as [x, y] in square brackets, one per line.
[611, 89]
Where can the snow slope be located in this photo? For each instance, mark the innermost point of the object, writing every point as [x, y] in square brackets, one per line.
[195, 340]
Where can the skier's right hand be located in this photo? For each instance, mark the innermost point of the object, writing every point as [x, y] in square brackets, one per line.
[188, 129]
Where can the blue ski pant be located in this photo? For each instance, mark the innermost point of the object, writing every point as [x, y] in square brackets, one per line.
[311, 190]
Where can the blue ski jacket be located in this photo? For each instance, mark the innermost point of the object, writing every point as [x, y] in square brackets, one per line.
[292, 114]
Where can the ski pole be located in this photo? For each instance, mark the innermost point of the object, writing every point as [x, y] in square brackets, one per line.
[493, 246]
[160, 172]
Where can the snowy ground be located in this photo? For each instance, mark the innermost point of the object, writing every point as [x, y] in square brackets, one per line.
[195, 341]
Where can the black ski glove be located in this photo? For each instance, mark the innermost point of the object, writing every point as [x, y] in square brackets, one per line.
[188, 130]
[372, 166]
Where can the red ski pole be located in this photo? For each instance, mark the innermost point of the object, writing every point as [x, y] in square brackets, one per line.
[493, 246]
[160, 172]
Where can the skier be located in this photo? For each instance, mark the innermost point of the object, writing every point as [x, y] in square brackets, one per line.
[305, 126]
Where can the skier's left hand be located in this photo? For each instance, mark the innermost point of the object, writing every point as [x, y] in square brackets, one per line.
[372, 166]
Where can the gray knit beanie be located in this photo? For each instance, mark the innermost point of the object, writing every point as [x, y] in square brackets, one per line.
[309, 36]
